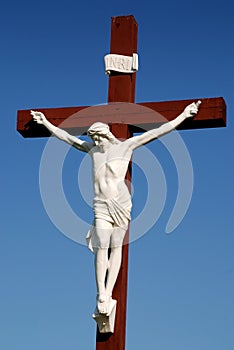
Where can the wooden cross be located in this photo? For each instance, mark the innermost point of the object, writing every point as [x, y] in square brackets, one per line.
[121, 119]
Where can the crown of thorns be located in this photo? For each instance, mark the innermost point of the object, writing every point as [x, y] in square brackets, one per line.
[98, 128]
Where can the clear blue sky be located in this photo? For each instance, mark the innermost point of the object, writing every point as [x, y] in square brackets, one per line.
[181, 285]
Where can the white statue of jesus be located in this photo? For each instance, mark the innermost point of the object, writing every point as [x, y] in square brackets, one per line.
[112, 201]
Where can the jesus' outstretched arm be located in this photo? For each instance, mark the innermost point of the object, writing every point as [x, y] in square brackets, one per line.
[137, 141]
[81, 145]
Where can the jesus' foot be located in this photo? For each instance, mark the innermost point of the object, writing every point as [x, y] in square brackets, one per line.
[105, 304]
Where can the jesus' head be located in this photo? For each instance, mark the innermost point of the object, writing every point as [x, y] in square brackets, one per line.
[100, 133]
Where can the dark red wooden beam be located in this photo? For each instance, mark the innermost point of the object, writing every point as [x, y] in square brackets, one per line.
[121, 88]
[212, 112]
[148, 115]
[124, 35]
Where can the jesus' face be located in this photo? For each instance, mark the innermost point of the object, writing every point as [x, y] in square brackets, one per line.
[99, 139]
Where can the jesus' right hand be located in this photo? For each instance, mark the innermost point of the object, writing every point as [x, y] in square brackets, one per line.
[38, 117]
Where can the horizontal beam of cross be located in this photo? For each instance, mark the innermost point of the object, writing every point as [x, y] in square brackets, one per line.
[141, 116]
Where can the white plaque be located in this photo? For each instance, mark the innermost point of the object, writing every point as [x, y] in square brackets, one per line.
[120, 63]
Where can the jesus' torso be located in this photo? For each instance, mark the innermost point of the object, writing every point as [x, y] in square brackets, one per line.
[110, 164]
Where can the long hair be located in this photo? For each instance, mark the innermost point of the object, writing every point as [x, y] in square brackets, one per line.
[112, 138]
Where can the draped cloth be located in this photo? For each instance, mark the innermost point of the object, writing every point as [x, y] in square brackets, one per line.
[114, 210]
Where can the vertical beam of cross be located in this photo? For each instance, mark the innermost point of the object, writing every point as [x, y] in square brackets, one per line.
[121, 89]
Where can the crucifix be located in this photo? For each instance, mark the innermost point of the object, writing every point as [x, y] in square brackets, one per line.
[123, 120]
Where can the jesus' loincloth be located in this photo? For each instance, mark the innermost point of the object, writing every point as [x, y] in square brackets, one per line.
[117, 211]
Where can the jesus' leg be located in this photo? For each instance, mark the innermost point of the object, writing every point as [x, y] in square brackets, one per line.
[115, 258]
[114, 267]
[104, 230]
